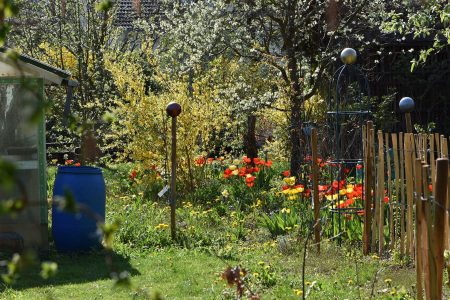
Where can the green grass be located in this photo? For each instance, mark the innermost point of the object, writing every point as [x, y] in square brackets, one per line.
[214, 236]
[193, 274]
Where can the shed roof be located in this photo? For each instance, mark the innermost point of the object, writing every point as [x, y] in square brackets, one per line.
[25, 65]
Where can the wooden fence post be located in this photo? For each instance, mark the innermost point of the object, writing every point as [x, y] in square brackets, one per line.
[380, 192]
[444, 147]
[437, 139]
[315, 173]
[389, 193]
[368, 159]
[409, 192]
[397, 174]
[419, 225]
[439, 221]
[444, 154]
[432, 158]
[403, 199]
[431, 272]
[425, 147]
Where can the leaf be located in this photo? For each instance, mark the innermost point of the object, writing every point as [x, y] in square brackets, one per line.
[104, 5]
[48, 269]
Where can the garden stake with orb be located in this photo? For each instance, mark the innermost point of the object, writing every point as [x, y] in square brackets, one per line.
[406, 106]
[173, 109]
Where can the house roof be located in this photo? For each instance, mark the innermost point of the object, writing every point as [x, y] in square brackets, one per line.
[29, 66]
[131, 10]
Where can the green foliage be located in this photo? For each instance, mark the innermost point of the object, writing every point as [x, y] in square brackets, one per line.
[104, 5]
[282, 222]
[429, 20]
[430, 128]
[383, 112]
[48, 269]
[8, 9]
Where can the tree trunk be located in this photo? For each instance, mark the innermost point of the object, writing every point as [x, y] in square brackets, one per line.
[295, 137]
[296, 118]
[295, 96]
[250, 146]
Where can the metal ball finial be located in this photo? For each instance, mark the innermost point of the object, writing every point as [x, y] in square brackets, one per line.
[348, 56]
[173, 109]
[406, 104]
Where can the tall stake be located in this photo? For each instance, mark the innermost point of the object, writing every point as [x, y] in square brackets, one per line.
[438, 229]
[380, 192]
[408, 123]
[367, 230]
[315, 170]
[373, 186]
[419, 225]
[432, 267]
[389, 192]
[402, 194]
[409, 148]
[397, 177]
[173, 109]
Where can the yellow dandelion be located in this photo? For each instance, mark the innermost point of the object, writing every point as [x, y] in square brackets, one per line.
[298, 292]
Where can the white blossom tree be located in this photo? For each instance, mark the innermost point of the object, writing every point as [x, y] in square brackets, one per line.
[299, 39]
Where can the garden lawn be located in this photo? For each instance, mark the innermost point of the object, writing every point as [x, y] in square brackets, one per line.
[214, 232]
[178, 273]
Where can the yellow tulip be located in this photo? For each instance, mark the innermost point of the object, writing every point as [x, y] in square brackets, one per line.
[332, 197]
[289, 180]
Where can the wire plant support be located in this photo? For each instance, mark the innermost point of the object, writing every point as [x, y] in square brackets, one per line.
[348, 109]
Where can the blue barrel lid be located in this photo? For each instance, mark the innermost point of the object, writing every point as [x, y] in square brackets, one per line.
[79, 170]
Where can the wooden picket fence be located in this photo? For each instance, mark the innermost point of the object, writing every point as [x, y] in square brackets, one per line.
[418, 209]
[413, 171]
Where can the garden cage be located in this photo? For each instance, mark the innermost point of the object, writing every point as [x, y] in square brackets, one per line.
[348, 110]
[22, 149]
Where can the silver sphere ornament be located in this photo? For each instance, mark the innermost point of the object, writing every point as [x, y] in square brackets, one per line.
[348, 56]
[406, 104]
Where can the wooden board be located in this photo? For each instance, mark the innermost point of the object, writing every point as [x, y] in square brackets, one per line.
[367, 229]
[380, 192]
[409, 150]
[419, 225]
[403, 197]
[396, 181]
[389, 193]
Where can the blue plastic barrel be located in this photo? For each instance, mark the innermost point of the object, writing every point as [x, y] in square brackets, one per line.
[78, 231]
